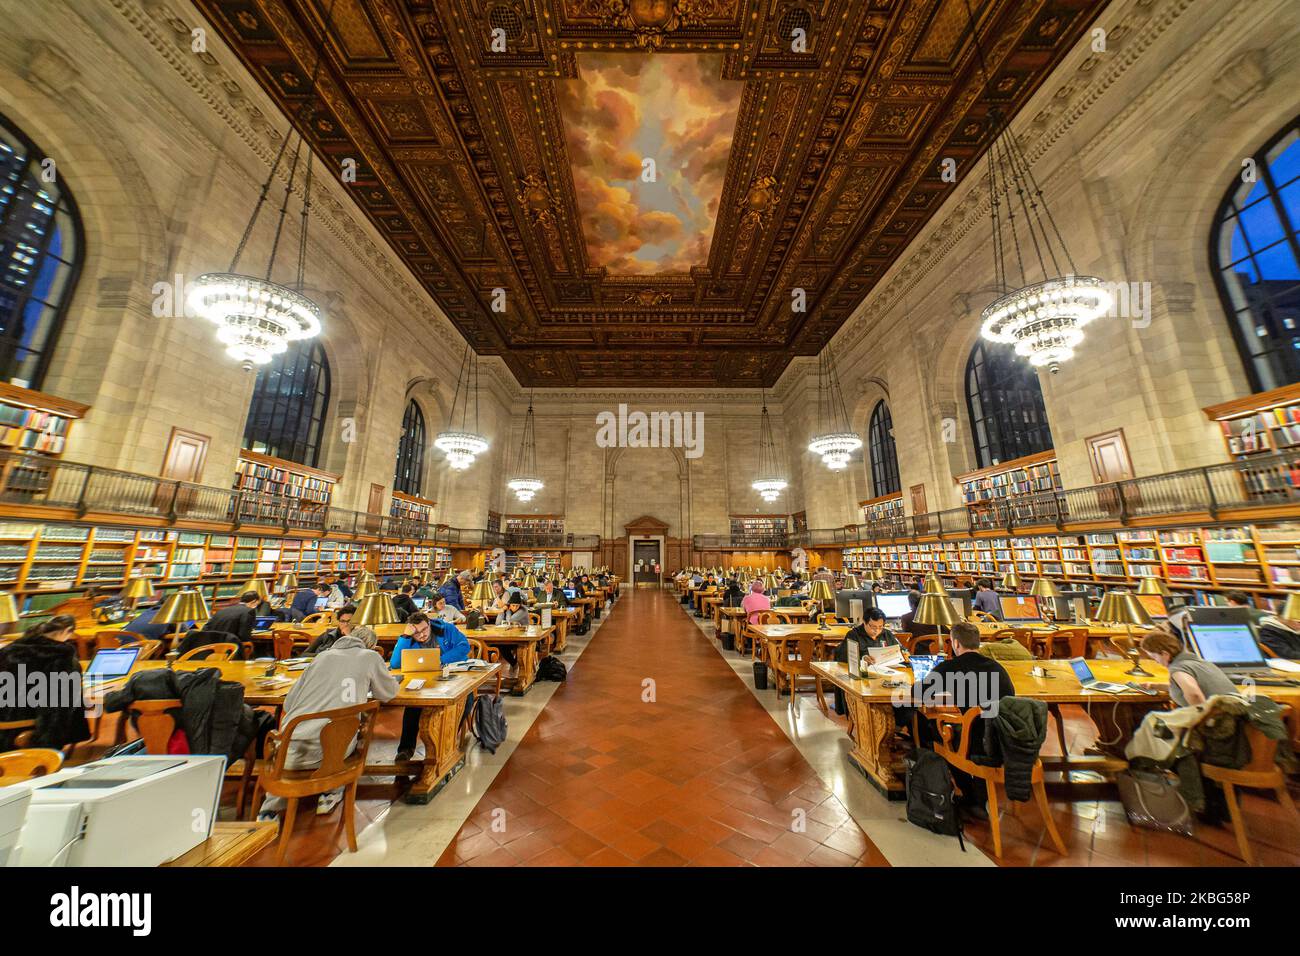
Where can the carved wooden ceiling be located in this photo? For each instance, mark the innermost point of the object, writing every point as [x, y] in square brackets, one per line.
[463, 158]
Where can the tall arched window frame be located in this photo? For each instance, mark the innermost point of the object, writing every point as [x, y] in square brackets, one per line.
[1255, 249]
[1005, 401]
[884, 454]
[409, 476]
[287, 416]
[40, 257]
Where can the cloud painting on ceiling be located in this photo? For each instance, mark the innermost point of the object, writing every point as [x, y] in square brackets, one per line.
[672, 109]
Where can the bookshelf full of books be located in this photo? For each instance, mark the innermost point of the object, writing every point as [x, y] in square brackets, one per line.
[412, 508]
[270, 480]
[1255, 429]
[882, 509]
[982, 490]
[1262, 559]
[401, 560]
[39, 425]
[540, 563]
[759, 531]
[534, 524]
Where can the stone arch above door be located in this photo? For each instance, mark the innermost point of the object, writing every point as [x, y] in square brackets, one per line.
[646, 525]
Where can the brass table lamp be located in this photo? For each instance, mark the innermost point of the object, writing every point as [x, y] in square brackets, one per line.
[936, 610]
[1291, 609]
[934, 586]
[258, 585]
[9, 612]
[1011, 581]
[482, 595]
[1123, 607]
[363, 590]
[1154, 586]
[850, 583]
[286, 582]
[184, 605]
[376, 609]
[1045, 590]
[822, 593]
[136, 590]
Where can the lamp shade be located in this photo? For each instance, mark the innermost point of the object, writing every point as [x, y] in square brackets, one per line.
[287, 582]
[136, 588]
[935, 610]
[529, 581]
[376, 609]
[1011, 580]
[1124, 608]
[1154, 586]
[186, 604]
[934, 586]
[482, 595]
[8, 609]
[877, 574]
[366, 576]
[363, 591]
[1291, 609]
[821, 591]
[850, 582]
[770, 583]
[1044, 588]
[451, 576]
[255, 584]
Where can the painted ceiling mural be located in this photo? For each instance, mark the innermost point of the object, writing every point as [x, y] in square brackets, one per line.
[502, 144]
[649, 138]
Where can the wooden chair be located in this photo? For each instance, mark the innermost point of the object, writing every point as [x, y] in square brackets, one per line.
[984, 616]
[922, 643]
[792, 658]
[286, 642]
[211, 652]
[760, 617]
[26, 730]
[957, 754]
[337, 768]
[483, 652]
[320, 617]
[1262, 773]
[149, 649]
[108, 640]
[1047, 645]
[1021, 635]
[19, 765]
[154, 720]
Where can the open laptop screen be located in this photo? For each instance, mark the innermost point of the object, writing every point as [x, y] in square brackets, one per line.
[110, 663]
[1081, 670]
[1226, 643]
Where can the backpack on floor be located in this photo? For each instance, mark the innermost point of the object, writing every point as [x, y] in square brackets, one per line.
[552, 668]
[490, 722]
[931, 797]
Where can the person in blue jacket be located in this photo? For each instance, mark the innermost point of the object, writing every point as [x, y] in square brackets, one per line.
[451, 591]
[422, 632]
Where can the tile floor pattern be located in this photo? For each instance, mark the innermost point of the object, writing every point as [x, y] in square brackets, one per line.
[655, 755]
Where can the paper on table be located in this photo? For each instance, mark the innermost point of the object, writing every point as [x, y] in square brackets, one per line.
[1281, 664]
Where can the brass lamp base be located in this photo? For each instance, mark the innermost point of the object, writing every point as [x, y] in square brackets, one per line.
[1136, 670]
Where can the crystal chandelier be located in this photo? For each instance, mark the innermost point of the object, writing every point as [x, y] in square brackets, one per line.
[525, 484]
[257, 318]
[1043, 319]
[768, 484]
[461, 445]
[834, 440]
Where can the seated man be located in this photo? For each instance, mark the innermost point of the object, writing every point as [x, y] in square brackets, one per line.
[234, 621]
[551, 593]
[445, 612]
[404, 603]
[986, 599]
[331, 636]
[870, 633]
[304, 602]
[143, 625]
[421, 633]
[344, 674]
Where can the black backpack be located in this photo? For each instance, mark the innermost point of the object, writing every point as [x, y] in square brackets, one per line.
[490, 722]
[931, 795]
[552, 668]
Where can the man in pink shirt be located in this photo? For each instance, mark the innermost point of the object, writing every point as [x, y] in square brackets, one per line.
[755, 601]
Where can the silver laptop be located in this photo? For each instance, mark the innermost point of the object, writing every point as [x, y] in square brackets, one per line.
[110, 664]
[1089, 680]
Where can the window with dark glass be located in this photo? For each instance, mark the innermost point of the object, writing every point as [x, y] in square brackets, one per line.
[287, 416]
[40, 253]
[884, 456]
[1255, 249]
[409, 477]
[1005, 402]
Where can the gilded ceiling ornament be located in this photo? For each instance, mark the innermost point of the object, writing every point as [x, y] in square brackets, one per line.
[757, 204]
[651, 20]
[648, 297]
[535, 197]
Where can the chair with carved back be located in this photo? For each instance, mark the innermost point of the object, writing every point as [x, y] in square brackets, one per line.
[19, 765]
[24, 731]
[1261, 773]
[287, 642]
[1065, 642]
[1021, 635]
[756, 642]
[320, 617]
[211, 652]
[949, 724]
[484, 652]
[109, 640]
[792, 660]
[338, 768]
[149, 649]
[924, 644]
[983, 617]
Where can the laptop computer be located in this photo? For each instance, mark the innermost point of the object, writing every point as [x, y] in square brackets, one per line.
[1088, 680]
[264, 623]
[322, 603]
[1232, 646]
[418, 602]
[416, 661]
[570, 593]
[110, 664]
[922, 664]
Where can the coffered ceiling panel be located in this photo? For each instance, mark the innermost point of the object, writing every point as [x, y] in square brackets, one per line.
[630, 192]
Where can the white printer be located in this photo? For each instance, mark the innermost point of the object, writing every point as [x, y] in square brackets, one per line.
[13, 811]
[120, 811]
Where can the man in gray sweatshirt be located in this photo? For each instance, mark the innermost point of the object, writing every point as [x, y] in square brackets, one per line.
[347, 673]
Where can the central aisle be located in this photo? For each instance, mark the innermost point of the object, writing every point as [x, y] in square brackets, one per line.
[655, 754]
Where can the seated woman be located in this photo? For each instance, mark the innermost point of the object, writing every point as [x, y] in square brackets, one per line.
[1192, 680]
[46, 650]
[755, 601]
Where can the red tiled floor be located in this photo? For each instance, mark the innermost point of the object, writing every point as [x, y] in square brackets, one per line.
[654, 754]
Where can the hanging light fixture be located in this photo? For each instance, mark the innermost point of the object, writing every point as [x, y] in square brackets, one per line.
[769, 482]
[460, 445]
[1042, 319]
[525, 484]
[257, 318]
[833, 440]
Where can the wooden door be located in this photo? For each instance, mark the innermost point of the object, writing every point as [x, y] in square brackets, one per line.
[375, 507]
[919, 508]
[1108, 454]
[183, 461]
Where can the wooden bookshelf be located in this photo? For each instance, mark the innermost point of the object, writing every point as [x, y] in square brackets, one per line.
[981, 490]
[1260, 425]
[548, 563]
[1198, 563]
[882, 508]
[262, 475]
[411, 508]
[799, 522]
[534, 524]
[38, 424]
[760, 531]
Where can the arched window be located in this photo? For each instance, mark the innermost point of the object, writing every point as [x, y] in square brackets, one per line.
[1255, 249]
[409, 477]
[884, 456]
[40, 257]
[1005, 402]
[287, 416]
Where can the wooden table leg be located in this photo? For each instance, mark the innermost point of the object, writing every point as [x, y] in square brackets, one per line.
[444, 752]
[525, 669]
[873, 752]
